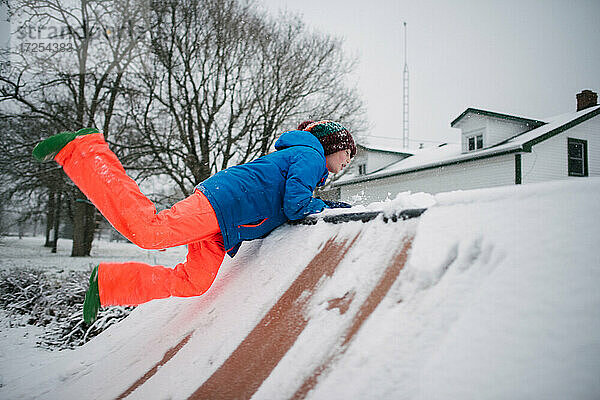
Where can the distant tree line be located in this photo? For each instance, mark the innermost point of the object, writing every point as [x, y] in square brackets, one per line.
[180, 89]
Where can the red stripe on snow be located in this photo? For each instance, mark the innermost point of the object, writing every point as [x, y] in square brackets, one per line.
[168, 355]
[369, 305]
[240, 376]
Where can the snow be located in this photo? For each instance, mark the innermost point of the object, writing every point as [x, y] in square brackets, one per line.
[18, 351]
[389, 144]
[553, 123]
[29, 252]
[498, 299]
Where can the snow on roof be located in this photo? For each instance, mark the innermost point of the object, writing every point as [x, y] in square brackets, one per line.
[380, 143]
[452, 153]
[365, 311]
[495, 114]
[554, 123]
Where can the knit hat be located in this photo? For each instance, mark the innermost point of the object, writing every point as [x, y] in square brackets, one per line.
[332, 135]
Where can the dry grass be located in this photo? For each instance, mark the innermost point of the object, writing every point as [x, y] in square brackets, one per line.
[53, 301]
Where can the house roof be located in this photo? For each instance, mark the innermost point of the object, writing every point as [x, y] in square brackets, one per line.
[494, 114]
[384, 144]
[452, 153]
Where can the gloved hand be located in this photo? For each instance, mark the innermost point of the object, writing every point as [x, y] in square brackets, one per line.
[335, 204]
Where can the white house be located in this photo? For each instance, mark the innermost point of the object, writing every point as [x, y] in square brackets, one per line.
[373, 154]
[496, 149]
[376, 153]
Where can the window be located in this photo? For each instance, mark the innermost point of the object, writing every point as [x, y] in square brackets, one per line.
[479, 141]
[475, 142]
[362, 169]
[577, 156]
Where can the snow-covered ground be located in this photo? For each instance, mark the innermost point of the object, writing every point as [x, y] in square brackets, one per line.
[497, 299]
[19, 350]
[29, 252]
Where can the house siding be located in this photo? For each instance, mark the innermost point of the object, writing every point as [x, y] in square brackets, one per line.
[374, 160]
[381, 160]
[499, 130]
[548, 159]
[496, 171]
[473, 124]
[359, 159]
[494, 130]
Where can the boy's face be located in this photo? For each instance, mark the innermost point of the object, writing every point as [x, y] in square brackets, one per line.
[337, 161]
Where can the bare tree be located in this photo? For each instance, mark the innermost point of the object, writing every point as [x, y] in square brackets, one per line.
[180, 88]
[35, 187]
[68, 69]
[221, 83]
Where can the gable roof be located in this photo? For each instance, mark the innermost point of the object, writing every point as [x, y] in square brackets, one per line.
[554, 126]
[494, 114]
[452, 153]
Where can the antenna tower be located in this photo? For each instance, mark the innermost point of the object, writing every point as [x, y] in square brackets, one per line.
[405, 96]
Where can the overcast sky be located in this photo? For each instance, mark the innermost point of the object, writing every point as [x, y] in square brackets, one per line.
[522, 57]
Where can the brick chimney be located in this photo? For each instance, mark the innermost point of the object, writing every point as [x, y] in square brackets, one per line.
[586, 99]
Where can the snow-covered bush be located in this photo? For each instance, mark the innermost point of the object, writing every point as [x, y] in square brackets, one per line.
[54, 302]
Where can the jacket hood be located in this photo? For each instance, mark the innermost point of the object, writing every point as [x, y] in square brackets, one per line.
[299, 138]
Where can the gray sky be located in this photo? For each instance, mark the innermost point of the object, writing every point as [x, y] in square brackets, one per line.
[521, 57]
[4, 26]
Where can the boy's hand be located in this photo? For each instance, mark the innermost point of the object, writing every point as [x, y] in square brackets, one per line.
[335, 204]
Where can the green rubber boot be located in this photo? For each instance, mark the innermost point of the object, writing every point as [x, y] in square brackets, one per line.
[48, 148]
[91, 304]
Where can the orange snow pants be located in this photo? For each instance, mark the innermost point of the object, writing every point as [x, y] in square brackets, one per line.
[97, 172]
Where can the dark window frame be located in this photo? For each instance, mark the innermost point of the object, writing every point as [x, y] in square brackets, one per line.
[583, 159]
[479, 142]
[362, 169]
[474, 142]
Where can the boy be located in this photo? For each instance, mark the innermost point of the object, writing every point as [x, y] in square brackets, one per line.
[240, 203]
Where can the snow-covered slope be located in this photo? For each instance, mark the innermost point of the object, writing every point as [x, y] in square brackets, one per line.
[491, 294]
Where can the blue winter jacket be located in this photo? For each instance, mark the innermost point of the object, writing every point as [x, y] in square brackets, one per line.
[252, 199]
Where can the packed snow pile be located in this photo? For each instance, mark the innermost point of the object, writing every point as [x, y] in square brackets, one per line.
[490, 294]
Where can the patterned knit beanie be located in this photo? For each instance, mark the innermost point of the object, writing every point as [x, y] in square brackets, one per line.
[332, 135]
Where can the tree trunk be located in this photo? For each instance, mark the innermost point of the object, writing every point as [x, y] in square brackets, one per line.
[57, 207]
[90, 227]
[50, 211]
[84, 214]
